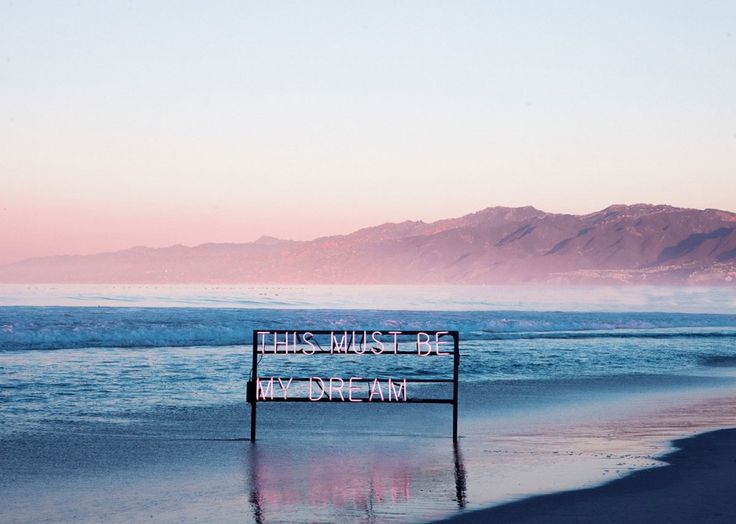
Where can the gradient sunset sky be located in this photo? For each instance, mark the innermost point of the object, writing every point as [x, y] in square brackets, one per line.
[156, 123]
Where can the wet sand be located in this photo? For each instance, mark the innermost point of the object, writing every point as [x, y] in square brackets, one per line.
[327, 464]
[696, 485]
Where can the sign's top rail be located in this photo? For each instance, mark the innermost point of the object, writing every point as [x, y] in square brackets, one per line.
[355, 342]
[399, 332]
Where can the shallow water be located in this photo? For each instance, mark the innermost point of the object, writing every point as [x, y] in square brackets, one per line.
[131, 413]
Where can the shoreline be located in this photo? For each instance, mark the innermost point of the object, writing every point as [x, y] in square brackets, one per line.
[694, 485]
[108, 431]
[169, 473]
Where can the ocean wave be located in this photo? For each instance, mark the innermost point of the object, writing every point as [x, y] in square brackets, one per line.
[576, 335]
[48, 328]
[718, 361]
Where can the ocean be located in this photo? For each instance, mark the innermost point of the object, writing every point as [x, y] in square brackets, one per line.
[128, 402]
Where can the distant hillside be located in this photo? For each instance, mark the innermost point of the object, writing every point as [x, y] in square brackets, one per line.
[620, 244]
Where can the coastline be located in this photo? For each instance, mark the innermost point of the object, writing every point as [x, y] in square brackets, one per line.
[694, 485]
[155, 469]
[132, 414]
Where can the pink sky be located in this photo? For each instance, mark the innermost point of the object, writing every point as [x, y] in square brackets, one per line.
[122, 127]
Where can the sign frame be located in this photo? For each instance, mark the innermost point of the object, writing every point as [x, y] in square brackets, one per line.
[251, 391]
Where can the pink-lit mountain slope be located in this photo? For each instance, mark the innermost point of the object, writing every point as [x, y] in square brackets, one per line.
[620, 244]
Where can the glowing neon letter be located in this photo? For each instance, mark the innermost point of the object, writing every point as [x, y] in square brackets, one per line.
[362, 345]
[321, 387]
[352, 388]
[276, 342]
[307, 338]
[425, 343]
[374, 349]
[263, 339]
[337, 346]
[375, 386]
[285, 389]
[397, 393]
[396, 341]
[264, 392]
[438, 342]
[339, 390]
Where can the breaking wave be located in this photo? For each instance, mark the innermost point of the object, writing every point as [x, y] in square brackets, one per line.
[48, 328]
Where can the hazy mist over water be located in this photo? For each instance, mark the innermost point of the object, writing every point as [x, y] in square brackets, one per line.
[686, 299]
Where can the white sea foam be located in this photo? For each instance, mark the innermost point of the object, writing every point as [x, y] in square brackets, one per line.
[24, 328]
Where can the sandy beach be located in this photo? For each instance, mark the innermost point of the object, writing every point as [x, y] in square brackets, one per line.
[696, 485]
[332, 464]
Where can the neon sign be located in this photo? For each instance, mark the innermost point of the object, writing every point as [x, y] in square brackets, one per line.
[353, 389]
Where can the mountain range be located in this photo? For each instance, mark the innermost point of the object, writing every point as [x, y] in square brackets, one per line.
[622, 244]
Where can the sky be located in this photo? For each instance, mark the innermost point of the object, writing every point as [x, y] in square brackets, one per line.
[158, 123]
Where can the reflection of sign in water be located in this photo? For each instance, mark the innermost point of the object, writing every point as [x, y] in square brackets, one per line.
[354, 389]
[373, 483]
